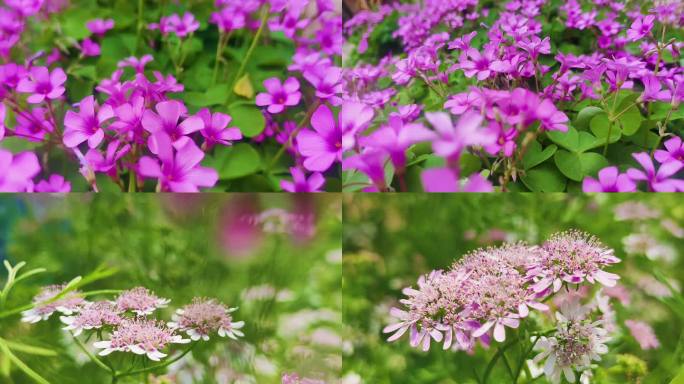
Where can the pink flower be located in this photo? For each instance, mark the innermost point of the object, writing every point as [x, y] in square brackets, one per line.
[175, 24]
[33, 125]
[3, 112]
[396, 137]
[86, 125]
[475, 64]
[107, 163]
[328, 83]
[99, 26]
[640, 27]
[216, 129]
[205, 316]
[179, 172]
[137, 64]
[674, 151]
[44, 304]
[139, 300]
[279, 95]
[658, 181]
[652, 90]
[55, 184]
[90, 48]
[166, 120]
[322, 146]
[643, 333]
[300, 184]
[17, 171]
[446, 180]
[142, 337]
[609, 180]
[93, 316]
[452, 140]
[42, 84]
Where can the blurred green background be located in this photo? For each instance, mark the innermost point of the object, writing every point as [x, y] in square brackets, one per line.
[390, 241]
[287, 285]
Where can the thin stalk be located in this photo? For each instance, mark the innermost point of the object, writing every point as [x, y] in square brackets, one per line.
[497, 356]
[250, 51]
[523, 358]
[219, 53]
[158, 366]
[92, 357]
[294, 133]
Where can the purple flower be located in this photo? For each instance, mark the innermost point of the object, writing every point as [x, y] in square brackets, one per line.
[300, 184]
[166, 120]
[328, 83]
[354, 118]
[87, 124]
[652, 90]
[640, 27]
[228, 20]
[99, 26]
[323, 146]
[475, 64]
[89, 48]
[17, 172]
[643, 333]
[137, 64]
[279, 95]
[175, 24]
[179, 172]
[609, 180]
[396, 137]
[3, 111]
[107, 163]
[674, 152]
[216, 129]
[43, 84]
[452, 139]
[32, 125]
[445, 180]
[659, 181]
[10, 75]
[54, 184]
[372, 163]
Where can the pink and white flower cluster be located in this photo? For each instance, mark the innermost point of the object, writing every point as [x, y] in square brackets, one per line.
[494, 288]
[125, 324]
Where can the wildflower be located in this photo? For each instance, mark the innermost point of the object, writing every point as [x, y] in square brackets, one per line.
[216, 129]
[643, 333]
[300, 183]
[322, 146]
[279, 95]
[576, 343]
[140, 300]
[137, 64]
[93, 316]
[396, 137]
[142, 337]
[446, 180]
[182, 27]
[228, 20]
[179, 172]
[640, 27]
[17, 171]
[674, 151]
[42, 84]
[658, 181]
[99, 26]
[572, 257]
[370, 162]
[452, 140]
[474, 63]
[609, 180]
[45, 304]
[33, 125]
[3, 112]
[89, 48]
[86, 125]
[205, 316]
[652, 90]
[54, 184]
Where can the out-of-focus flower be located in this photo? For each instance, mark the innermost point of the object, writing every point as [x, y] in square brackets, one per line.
[301, 184]
[643, 333]
[205, 316]
[100, 26]
[609, 180]
[17, 171]
[640, 27]
[54, 184]
[42, 84]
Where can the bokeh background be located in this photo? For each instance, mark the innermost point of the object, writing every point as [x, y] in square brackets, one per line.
[285, 279]
[390, 241]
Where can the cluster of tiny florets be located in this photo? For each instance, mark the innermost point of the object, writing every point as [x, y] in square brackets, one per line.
[45, 304]
[93, 316]
[493, 288]
[140, 336]
[204, 316]
[140, 300]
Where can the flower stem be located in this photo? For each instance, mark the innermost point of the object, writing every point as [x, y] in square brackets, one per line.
[92, 357]
[294, 133]
[250, 51]
[219, 52]
[499, 353]
[158, 366]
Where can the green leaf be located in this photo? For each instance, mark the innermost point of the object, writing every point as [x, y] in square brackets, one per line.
[630, 117]
[234, 162]
[469, 164]
[248, 118]
[585, 115]
[535, 155]
[592, 162]
[215, 95]
[569, 163]
[573, 140]
[600, 126]
[21, 365]
[30, 349]
[544, 178]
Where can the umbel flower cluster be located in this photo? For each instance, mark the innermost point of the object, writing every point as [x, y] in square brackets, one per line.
[126, 323]
[492, 289]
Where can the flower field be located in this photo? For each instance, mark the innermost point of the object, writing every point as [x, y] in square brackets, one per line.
[169, 96]
[520, 95]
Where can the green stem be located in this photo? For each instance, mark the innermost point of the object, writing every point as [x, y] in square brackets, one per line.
[92, 357]
[158, 366]
[250, 51]
[492, 362]
[140, 24]
[219, 52]
[523, 358]
[21, 365]
[294, 133]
